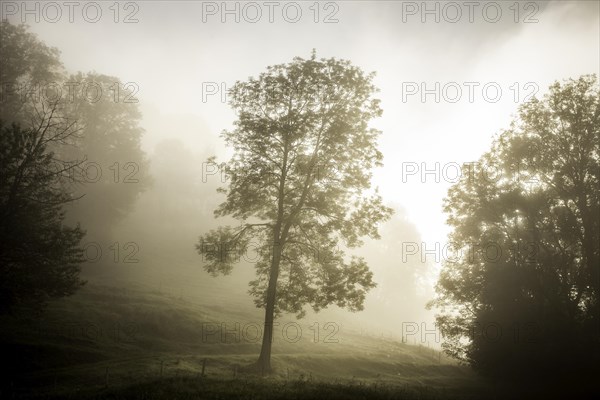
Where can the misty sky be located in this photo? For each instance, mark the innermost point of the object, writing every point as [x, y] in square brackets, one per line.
[170, 52]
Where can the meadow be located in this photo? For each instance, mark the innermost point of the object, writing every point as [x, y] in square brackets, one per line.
[151, 335]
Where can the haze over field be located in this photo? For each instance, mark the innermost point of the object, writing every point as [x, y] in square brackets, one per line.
[458, 88]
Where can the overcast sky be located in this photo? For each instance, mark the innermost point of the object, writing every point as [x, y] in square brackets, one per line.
[176, 46]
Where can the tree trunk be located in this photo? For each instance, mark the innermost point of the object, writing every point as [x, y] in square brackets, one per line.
[264, 360]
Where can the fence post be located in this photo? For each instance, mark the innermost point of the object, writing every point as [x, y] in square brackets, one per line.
[203, 366]
[106, 377]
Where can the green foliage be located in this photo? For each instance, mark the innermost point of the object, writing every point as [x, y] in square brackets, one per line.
[522, 299]
[303, 153]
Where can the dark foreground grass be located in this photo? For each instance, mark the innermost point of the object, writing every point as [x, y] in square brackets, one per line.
[261, 389]
[258, 388]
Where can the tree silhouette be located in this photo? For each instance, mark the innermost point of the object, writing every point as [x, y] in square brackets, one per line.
[39, 255]
[115, 170]
[521, 299]
[26, 65]
[303, 152]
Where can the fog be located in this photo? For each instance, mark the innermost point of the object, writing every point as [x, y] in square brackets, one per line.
[450, 77]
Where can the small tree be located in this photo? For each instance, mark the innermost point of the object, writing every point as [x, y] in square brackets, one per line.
[39, 255]
[303, 155]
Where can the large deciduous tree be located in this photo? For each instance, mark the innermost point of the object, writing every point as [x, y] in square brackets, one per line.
[303, 152]
[522, 298]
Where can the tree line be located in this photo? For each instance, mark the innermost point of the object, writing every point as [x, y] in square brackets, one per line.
[65, 138]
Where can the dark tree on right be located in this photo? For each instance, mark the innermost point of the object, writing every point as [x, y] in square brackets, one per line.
[520, 298]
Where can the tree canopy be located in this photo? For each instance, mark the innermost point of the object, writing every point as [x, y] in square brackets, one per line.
[106, 111]
[52, 130]
[303, 154]
[26, 63]
[115, 171]
[39, 255]
[521, 300]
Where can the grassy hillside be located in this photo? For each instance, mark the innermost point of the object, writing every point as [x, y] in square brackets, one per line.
[121, 338]
[144, 332]
[132, 339]
[107, 338]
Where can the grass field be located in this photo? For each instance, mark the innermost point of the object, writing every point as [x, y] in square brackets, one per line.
[132, 339]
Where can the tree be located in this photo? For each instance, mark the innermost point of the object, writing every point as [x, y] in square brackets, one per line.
[91, 119]
[39, 255]
[115, 171]
[303, 152]
[26, 65]
[521, 299]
